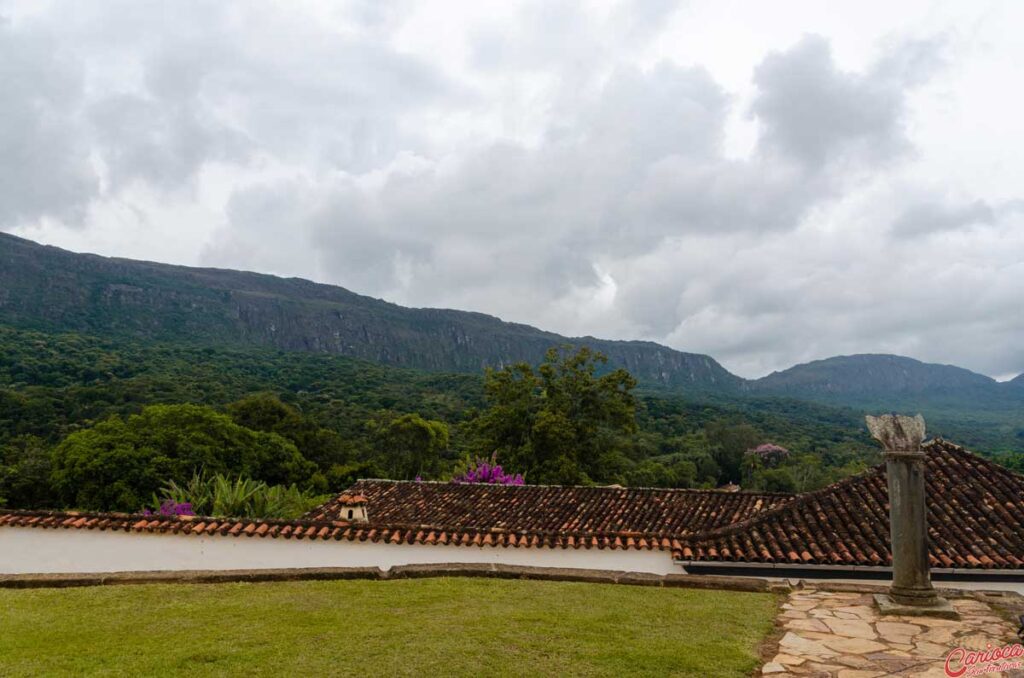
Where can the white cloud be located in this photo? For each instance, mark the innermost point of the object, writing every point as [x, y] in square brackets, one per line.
[764, 186]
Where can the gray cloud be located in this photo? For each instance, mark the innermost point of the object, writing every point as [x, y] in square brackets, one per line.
[548, 210]
[158, 142]
[819, 115]
[544, 168]
[628, 169]
[190, 94]
[638, 20]
[45, 170]
[936, 217]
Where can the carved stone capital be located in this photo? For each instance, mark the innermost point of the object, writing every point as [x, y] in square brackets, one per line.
[897, 433]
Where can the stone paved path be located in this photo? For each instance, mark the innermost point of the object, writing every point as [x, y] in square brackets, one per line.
[841, 634]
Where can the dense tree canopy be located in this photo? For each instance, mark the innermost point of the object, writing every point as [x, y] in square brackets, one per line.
[265, 412]
[25, 464]
[119, 463]
[409, 446]
[556, 424]
[567, 420]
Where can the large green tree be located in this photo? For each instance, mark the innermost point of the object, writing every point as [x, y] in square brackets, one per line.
[119, 463]
[729, 443]
[409, 446]
[557, 422]
[24, 473]
[266, 412]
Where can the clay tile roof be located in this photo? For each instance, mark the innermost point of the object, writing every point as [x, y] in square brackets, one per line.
[550, 509]
[975, 519]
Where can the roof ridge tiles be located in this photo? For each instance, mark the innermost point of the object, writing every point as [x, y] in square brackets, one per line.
[608, 488]
[973, 497]
[805, 498]
[798, 501]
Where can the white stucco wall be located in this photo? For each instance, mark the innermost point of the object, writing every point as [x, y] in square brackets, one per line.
[39, 551]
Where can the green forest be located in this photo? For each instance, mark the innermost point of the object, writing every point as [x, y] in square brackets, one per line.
[104, 424]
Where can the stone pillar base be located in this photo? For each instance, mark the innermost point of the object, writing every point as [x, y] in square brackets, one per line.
[914, 595]
[936, 607]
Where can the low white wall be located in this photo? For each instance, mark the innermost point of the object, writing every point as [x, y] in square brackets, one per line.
[44, 551]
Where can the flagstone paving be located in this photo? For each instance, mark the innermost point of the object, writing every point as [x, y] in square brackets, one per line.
[830, 633]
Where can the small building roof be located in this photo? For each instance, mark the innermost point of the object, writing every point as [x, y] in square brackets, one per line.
[552, 508]
[975, 520]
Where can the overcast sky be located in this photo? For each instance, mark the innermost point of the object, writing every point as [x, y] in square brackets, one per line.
[768, 183]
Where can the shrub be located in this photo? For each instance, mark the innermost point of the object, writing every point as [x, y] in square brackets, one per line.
[220, 495]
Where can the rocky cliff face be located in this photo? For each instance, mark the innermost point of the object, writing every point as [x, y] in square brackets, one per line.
[52, 289]
[49, 288]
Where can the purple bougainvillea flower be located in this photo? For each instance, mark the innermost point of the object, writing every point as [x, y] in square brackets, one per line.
[490, 472]
[170, 507]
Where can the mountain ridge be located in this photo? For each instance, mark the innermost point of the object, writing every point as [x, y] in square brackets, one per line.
[45, 287]
[862, 379]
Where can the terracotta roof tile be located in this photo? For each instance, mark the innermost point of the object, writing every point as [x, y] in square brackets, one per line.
[975, 519]
[551, 509]
[975, 510]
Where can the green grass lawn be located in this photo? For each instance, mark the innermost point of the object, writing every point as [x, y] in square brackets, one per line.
[435, 627]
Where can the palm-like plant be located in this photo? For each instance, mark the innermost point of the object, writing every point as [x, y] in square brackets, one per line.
[220, 495]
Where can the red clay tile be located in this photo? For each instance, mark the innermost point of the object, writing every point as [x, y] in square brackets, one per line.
[975, 507]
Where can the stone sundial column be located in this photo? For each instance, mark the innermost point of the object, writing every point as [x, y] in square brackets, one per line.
[901, 437]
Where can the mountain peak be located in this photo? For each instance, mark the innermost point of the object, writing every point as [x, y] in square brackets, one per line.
[871, 379]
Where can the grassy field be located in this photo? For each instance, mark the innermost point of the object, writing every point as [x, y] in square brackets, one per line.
[436, 627]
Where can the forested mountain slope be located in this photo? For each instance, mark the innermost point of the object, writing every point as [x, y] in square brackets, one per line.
[51, 289]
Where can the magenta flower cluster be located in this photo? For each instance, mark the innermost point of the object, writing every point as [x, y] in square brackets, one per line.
[171, 508]
[484, 471]
[767, 448]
